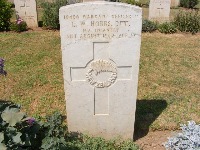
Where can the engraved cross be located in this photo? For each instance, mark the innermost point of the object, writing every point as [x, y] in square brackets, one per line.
[160, 9]
[24, 6]
[109, 72]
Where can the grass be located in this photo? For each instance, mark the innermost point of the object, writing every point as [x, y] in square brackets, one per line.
[33, 62]
[169, 71]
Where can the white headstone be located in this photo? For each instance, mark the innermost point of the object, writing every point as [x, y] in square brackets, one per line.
[26, 9]
[159, 10]
[100, 44]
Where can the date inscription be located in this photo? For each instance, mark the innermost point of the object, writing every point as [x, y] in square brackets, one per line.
[99, 26]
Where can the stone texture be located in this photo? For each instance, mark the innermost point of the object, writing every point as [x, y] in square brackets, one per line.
[27, 10]
[159, 10]
[100, 44]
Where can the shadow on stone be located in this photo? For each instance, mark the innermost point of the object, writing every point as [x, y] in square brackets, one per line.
[146, 113]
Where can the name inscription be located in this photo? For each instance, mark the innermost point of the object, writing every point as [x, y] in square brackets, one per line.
[97, 26]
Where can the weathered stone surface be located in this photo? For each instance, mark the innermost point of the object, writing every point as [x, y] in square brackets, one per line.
[100, 44]
[27, 10]
[159, 10]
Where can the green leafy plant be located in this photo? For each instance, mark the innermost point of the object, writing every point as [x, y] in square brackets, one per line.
[5, 15]
[167, 28]
[139, 3]
[56, 137]
[18, 26]
[188, 3]
[54, 133]
[188, 21]
[98, 143]
[133, 2]
[17, 131]
[148, 26]
[50, 16]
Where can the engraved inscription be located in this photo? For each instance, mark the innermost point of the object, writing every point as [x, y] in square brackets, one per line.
[98, 67]
[25, 6]
[98, 26]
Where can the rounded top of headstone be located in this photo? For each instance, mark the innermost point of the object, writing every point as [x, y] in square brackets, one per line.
[137, 8]
[100, 20]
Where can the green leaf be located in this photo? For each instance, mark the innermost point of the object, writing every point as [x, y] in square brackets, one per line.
[17, 139]
[1, 137]
[2, 146]
[27, 141]
[12, 116]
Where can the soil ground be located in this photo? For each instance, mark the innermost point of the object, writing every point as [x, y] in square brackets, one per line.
[154, 140]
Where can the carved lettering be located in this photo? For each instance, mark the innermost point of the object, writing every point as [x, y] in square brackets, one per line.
[94, 16]
[71, 17]
[122, 23]
[121, 16]
[100, 24]
[95, 26]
